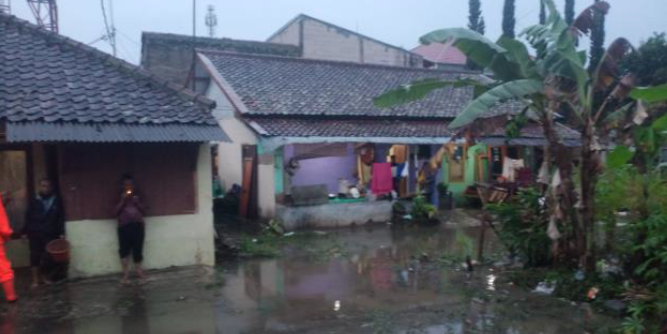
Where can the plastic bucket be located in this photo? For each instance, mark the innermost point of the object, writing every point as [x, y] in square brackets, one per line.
[59, 250]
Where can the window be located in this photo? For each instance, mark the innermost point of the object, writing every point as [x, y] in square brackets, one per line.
[90, 177]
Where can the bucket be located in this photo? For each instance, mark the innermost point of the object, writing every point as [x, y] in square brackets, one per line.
[59, 250]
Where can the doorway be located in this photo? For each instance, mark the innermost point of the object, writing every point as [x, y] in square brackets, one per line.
[15, 183]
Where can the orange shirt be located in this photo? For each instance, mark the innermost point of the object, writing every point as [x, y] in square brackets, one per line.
[5, 229]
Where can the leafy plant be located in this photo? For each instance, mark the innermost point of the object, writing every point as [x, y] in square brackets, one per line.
[554, 79]
[523, 226]
[422, 210]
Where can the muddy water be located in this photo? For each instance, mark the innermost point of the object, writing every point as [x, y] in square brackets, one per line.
[364, 281]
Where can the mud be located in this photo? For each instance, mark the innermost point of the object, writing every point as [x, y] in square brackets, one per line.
[355, 281]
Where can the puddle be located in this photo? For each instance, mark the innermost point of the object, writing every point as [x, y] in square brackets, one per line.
[363, 281]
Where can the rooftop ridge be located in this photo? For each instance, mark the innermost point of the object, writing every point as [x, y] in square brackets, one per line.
[435, 72]
[168, 35]
[111, 60]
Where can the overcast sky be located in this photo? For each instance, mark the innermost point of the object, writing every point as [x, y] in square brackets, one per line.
[398, 22]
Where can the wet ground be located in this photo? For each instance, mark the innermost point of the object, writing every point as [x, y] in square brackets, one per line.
[353, 281]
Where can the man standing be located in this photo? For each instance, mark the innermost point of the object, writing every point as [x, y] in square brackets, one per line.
[6, 272]
[130, 212]
[45, 222]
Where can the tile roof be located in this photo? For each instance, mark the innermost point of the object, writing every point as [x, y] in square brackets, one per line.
[50, 78]
[295, 86]
[441, 53]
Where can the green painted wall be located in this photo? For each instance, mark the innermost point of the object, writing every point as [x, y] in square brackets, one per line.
[278, 175]
[457, 188]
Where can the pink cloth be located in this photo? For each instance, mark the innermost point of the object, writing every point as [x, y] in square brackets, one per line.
[382, 183]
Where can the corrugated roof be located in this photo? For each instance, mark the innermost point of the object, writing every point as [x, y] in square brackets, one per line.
[112, 132]
[271, 126]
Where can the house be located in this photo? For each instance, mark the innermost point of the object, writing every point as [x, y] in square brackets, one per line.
[442, 56]
[83, 118]
[170, 55]
[299, 127]
[319, 39]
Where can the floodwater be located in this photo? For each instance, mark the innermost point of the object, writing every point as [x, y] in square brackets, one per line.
[353, 281]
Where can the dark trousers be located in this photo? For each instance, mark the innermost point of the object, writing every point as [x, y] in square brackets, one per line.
[131, 241]
[38, 248]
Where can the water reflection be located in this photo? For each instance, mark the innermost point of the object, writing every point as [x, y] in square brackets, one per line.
[388, 272]
[349, 282]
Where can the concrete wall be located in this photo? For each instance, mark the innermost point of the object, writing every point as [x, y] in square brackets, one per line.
[326, 42]
[325, 170]
[179, 240]
[231, 155]
[288, 36]
[333, 215]
[458, 188]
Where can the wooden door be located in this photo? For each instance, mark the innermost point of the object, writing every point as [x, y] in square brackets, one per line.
[248, 202]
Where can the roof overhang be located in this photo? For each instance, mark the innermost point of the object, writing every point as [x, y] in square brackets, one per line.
[25, 132]
[272, 143]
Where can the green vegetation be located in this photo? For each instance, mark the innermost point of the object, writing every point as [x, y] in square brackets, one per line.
[422, 211]
[509, 20]
[599, 98]
[522, 226]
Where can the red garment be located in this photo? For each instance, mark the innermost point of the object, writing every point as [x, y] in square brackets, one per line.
[6, 272]
[382, 182]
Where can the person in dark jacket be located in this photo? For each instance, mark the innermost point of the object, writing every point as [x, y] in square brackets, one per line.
[130, 212]
[45, 222]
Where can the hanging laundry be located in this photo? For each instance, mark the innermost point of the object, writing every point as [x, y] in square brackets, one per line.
[510, 168]
[382, 178]
[543, 175]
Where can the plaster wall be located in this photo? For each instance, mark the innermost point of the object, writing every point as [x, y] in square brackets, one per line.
[179, 240]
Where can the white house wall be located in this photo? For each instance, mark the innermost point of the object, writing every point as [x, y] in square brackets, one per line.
[321, 41]
[179, 240]
[231, 155]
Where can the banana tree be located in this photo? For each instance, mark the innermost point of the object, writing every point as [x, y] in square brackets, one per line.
[552, 80]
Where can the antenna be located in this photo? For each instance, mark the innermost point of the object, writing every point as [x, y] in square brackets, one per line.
[211, 21]
[109, 27]
[45, 13]
[6, 6]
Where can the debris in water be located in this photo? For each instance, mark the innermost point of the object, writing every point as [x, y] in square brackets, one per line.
[592, 293]
[579, 275]
[545, 288]
[288, 234]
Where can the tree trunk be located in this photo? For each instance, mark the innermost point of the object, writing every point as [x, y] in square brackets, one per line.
[588, 175]
[562, 159]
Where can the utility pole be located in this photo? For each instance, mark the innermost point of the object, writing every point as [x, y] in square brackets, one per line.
[211, 21]
[45, 13]
[194, 45]
[6, 6]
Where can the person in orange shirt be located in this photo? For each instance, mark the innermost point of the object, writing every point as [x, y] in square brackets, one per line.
[6, 272]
